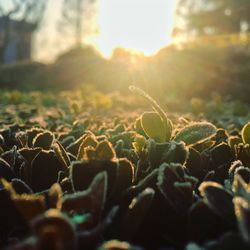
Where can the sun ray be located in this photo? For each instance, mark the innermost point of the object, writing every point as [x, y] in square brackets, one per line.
[139, 25]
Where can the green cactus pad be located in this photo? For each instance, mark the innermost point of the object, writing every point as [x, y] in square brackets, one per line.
[245, 133]
[196, 133]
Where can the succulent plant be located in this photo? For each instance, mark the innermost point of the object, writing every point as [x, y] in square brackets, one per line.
[155, 124]
[98, 180]
[176, 186]
[196, 133]
[245, 133]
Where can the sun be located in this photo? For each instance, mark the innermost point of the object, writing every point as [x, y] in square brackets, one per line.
[140, 25]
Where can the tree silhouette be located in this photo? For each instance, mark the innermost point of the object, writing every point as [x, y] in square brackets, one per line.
[204, 17]
[23, 12]
[75, 14]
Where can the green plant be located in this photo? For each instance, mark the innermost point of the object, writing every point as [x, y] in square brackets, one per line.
[158, 126]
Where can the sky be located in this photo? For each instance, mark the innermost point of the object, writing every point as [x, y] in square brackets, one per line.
[141, 25]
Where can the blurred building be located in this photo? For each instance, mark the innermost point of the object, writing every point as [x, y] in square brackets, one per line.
[18, 45]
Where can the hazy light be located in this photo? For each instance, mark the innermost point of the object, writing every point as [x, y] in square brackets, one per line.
[140, 25]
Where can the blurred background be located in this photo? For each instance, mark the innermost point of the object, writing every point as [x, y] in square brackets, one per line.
[170, 48]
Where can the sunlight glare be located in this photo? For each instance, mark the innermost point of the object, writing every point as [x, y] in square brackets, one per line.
[139, 25]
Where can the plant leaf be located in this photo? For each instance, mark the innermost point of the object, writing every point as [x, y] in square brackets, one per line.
[137, 210]
[153, 126]
[242, 211]
[245, 133]
[44, 140]
[218, 199]
[167, 122]
[196, 133]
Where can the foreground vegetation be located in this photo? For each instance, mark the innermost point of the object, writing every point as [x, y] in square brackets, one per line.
[87, 170]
